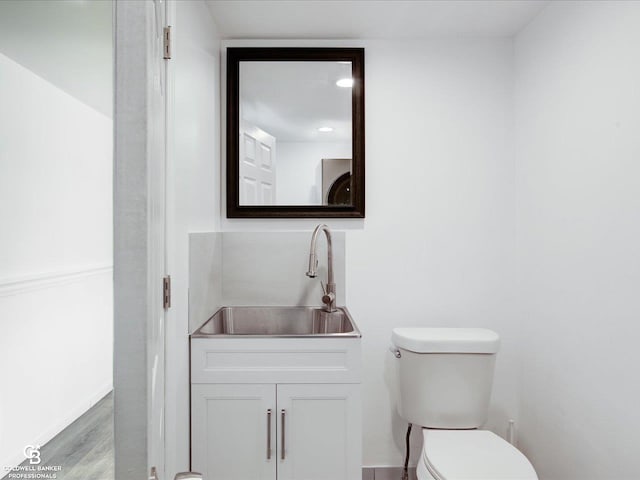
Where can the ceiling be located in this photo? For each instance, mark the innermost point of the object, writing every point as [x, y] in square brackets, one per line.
[344, 19]
[291, 100]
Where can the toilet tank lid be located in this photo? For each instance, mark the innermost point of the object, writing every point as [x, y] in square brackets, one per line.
[446, 340]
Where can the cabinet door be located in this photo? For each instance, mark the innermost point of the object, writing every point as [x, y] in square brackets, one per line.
[319, 432]
[230, 428]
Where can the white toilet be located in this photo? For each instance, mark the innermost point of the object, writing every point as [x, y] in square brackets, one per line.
[445, 377]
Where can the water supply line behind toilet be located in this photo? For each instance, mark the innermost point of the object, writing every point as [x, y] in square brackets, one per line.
[405, 471]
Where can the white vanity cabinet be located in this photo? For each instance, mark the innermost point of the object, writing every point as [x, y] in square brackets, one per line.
[276, 408]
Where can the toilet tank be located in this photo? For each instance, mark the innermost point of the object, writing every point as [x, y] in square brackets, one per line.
[445, 375]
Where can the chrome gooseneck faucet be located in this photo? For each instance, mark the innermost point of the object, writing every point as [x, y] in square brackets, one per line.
[329, 293]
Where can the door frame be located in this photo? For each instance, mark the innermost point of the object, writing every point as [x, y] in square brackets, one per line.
[137, 239]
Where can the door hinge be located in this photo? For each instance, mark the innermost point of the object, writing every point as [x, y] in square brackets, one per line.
[166, 43]
[166, 292]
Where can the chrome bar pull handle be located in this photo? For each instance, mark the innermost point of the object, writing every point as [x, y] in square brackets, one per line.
[282, 415]
[269, 434]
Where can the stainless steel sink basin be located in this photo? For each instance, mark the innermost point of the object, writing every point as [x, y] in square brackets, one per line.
[278, 322]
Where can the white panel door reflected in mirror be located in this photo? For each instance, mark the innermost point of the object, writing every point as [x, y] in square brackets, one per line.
[292, 116]
[257, 166]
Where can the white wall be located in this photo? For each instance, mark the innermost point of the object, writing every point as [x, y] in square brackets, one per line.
[193, 196]
[578, 197]
[67, 42]
[437, 245]
[299, 170]
[56, 309]
[205, 277]
[436, 248]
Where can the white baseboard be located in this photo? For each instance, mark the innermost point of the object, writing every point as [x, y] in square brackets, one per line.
[58, 425]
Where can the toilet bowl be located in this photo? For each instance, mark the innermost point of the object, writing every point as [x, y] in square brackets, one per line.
[470, 455]
[444, 385]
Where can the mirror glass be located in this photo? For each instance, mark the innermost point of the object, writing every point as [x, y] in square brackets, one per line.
[295, 132]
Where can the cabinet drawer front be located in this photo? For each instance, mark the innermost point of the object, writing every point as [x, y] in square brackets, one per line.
[275, 360]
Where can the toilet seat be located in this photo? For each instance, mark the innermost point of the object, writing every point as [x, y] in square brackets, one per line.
[471, 455]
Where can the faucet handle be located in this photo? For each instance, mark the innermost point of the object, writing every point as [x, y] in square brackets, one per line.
[327, 297]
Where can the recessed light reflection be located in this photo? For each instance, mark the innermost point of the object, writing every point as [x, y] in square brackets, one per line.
[325, 129]
[345, 82]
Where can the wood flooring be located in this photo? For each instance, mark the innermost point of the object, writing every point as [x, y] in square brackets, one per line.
[84, 449]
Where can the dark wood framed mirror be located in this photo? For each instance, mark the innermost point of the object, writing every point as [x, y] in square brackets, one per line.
[288, 110]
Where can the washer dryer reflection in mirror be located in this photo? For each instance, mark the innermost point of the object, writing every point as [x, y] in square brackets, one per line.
[336, 181]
